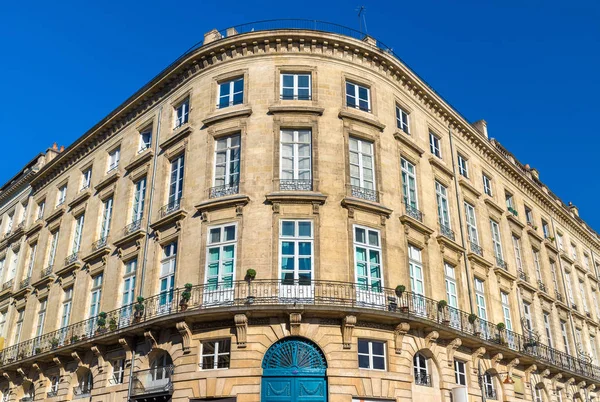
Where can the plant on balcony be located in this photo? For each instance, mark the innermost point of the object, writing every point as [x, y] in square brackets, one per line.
[250, 274]
[54, 343]
[400, 289]
[38, 350]
[74, 338]
[101, 321]
[139, 308]
[500, 326]
[473, 318]
[551, 238]
[112, 324]
[186, 295]
[442, 307]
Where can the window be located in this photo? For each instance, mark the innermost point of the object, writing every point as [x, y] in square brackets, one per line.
[182, 111]
[565, 338]
[537, 265]
[463, 166]
[54, 384]
[441, 194]
[296, 252]
[417, 285]
[578, 343]
[361, 164]
[518, 257]
[553, 273]
[568, 285]
[488, 386]
[583, 296]
[367, 259]
[66, 307]
[176, 183]
[167, 275]
[586, 261]
[559, 241]
[220, 260]
[19, 325]
[451, 288]
[358, 96]
[296, 86]
[139, 196]
[161, 367]
[13, 265]
[504, 298]
[460, 372]
[402, 120]
[487, 185]
[77, 234]
[547, 328]
[371, 354]
[409, 184]
[545, 229]
[528, 215]
[129, 282]
[9, 222]
[113, 159]
[39, 330]
[32, 252]
[595, 300]
[594, 350]
[296, 165]
[537, 395]
[62, 195]
[527, 316]
[227, 162]
[421, 370]
[573, 251]
[480, 299]
[145, 139]
[41, 207]
[215, 354]
[118, 367]
[2, 322]
[510, 203]
[96, 295]
[86, 178]
[497, 242]
[435, 145]
[471, 224]
[52, 248]
[231, 92]
[106, 218]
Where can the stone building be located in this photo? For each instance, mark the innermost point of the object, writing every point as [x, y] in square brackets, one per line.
[345, 233]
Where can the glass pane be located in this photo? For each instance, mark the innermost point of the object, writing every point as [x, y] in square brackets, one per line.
[288, 80]
[287, 263]
[304, 248]
[215, 235]
[213, 254]
[304, 264]
[223, 361]
[373, 238]
[361, 269]
[304, 229]
[208, 362]
[303, 81]
[238, 85]
[228, 252]
[359, 235]
[363, 347]
[224, 88]
[228, 267]
[287, 248]
[363, 361]
[229, 233]
[287, 228]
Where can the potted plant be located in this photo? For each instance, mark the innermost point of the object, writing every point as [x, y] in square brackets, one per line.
[400, 290]
[442, 307]
[551, 238]
[501, 327]
[250, 276]
[186, 295]
[38, 350]
[74, 338]
[139, 308]
[472, 318]
[54, 343]
[112, 324]
[101, 321]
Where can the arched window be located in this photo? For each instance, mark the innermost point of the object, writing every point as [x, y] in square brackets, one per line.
[161, 367]
[29, 395]
[537, 395]
[86, 383]
[54, 382]
[421, 370]
[488, 387]
[5, 395]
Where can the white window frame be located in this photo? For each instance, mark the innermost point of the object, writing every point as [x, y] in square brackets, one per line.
[510, 201]
[219, 345]
[86, 178]
[487, 185]
[66, 307]
[41, 320]
[41, 208]
[95, 295]
[296, 146]
[548, 328]
[176, 178]
[77, 234]
[61, 196]
[52, 249]
[496, 240]
[181, 113]
[435, 145]
[402, 120]
[231, 95]
[367, 285]
[518, 257]
[145, 139]
[296, 240]
[420, 365]
[471, 223]
[355, 95]
[583, 296]
[106, 218]
[505, 301]
[480, 299]
[363, 151]
[443, 205]
[409, 183]
[537, 264]
[559, 241]
[19, 325]
[371, 354]
[32, 254]
[118, 371]
[295, 86]
[129, 278]
[168, 268]
[114, 157]
[229, 175]
[569, 286]
[139, 199]
[527, 315]
[565, 336]
[460, 372]
[451, 285]
[463, 166]
[221, 245]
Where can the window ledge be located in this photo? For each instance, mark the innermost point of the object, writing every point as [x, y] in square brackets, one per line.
[473, 257]
[171, 218]
[352, 202]
[56, 214]
[550, 246]
[296, 197]
[514, 220]
[222, 202]
[296, 108]
[230, 112]
[441, 166]
[110, 178]
[531, 231]
[67, 269]
[178, 134]
[81, 197]
[469, 187]
[129, 238]
[43, 281]
[37, 225]
[451, 244]
[139, 159]
[409, 221]
[360, 116]
[501, 272]
[407, 141]
[97, 254]
[490, 203]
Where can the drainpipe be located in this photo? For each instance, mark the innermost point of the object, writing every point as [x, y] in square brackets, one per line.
[132, 364]
[460, 222]
[150, 203]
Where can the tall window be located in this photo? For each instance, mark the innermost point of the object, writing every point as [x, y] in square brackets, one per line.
[220, 261]
[295, 86]
[113, 158]
[371, 354]
[573, 251]
[415, 267]
[421, 370]
[435, 145]
[409, 184]
[66, 307]
[586, 262]
[296, 252]
[39, 330]
[361, 164]
[565, 337]
[517, 249]
[545, 229]
[496, 240]
[594, 350]
[182, 112]
[19, 325]
[553, 273]
[176, 184]
[145, 139]
[537, 393]
[504, 298]
[559, 241]
[62, 195]
[129, 282]
[118, 367]
[487, 185]
[106, 218]
[139, 196]
[510, 203]
[96, 295]
[583, 296]
[451, 288]
[54, 384]
[488, 386]
[41, 208]
[2, 322]
[595, 301]
[527, 316]
[528, 215]
[13, 265]
[227, 161]
[167, 274]
[77, 234]
[52, 248]
[215, 354]
[367, 259]
[358, 96]
[231, 92]
[460, 372]
[547, 329]
[86, 178]
[32, 253]
[402, 120]
[480, 299]
[536, 264]
[441, 195]
[471, 223]
[296, 166]
[463, 166]
[569, 286]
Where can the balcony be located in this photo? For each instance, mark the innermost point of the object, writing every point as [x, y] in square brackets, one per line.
[542, 286]
[100, 243]
[423, 379]
[413, 212]
[513, 211]
[8, 284]
[501, 263]
[559, 296]
[447, 232]
[132, 227]
[72, 258]
[476, 248]
[224, 191]
[173, 206]
[152, 381]
[24, 283]
[295, 185]
[82, 391]
[364, 193]
[522, 275]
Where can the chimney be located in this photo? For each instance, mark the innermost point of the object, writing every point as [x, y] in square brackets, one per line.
[574, 209]
[481, 126]
[370, 40]
[51, 152]
[62, 148]
[211, 36]
[55, 147]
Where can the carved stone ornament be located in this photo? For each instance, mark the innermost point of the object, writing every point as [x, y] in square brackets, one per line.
[186, 335]
[451, 348]
[496, 359]
[150, 337]
[528, 372]
[431, 338]
[399, 332]
[511, 366]
[128, 345]
[241, 329]
[347, 326]
[98, 351]
[475, 356]
[295, 320]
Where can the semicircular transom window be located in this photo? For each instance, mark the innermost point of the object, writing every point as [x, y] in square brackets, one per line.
[293, 356]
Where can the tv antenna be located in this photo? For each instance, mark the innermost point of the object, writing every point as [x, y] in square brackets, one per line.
[361, 13]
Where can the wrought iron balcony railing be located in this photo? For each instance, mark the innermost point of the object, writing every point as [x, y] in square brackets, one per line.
[353, 105]
[172, 206]
[112, 168]
[157, 379]
[295, 185]
[522, 275]
[296, 97]
[542, 286]
[98, 244]
[364, 193]
[46, 271]
[501, 263]
[24, 283]
[330, 294]
[72, 258]
[51, 394]
[132, 227]
[413, 212]
[223, 191]
[476, 248]
[447, 232]
[423, 379]
[559, 296]
[82, 391]
[8, 284]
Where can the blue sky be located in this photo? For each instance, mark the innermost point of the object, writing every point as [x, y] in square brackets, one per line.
[530, 68]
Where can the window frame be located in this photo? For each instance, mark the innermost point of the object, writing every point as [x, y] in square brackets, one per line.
[368, 285]
[296, 240]
[295, 158]
[435, 145]
[295, 85]
[231, 83]
[402, 119]
[372, 355]
[216, 354]
[356, 96]
[360, 163]
[181, 113]
[458, 374]
[221, 245]
[406, 176]
[463, 165]
[487, 185]
[229, 152]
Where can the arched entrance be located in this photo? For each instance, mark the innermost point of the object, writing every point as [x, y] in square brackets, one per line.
[294, 371]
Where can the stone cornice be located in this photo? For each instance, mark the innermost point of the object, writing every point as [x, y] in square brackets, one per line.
[263, 43]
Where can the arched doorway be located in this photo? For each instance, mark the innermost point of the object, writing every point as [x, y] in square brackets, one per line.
[294, 371]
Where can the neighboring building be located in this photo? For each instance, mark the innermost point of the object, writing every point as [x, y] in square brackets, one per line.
[324, 164]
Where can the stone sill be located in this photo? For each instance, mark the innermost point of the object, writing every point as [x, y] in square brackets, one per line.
[407, 141]
[296, 197]
[97, 254]
[439, 164]
[56, 214]
[139, 160]
[81, 197]
[416, 224]
[110, 178]
[364, 205]
[230, 112]
[179, 134]
[174, 216]
[362, 117]
[222, 202]
[296, 108]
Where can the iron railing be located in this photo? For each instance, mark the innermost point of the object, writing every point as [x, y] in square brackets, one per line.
[46, 271]
[8, 284]
[476, 248]
[333, 295]
[132, 227]
[413, 212]
[72, 258]
[112, 168]
[84, 187]
[295, 184]
[542, 286]
[559, 296]
[82, 391]
[223, 191]
[423, 379]
[296, 97]
[223, 105]
[24, 283]
[364, 193]
[447, 232]
[98, 244]
[156, 379]
[522, 275]
[51, 394]
[501, 263]
[172, 206]
[352, 105]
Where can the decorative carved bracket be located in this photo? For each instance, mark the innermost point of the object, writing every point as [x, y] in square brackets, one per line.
[99, 351]
[399, 332]
[150, 337]
[581, 385]
[241, 329]
[295, 320]
[431, 338]
[496, 359]
[591, 388]
[186, 335]
[347, 326]
[528, 372]
[61, 367]
[545, 373]
[451, 348]
[128, 345]
[475, 356]
[511, 366]
[21, 372]
[77, 359]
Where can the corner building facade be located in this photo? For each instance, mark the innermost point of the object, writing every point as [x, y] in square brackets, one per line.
[294, 178]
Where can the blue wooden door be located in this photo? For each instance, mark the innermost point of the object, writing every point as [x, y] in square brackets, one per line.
[294, 371]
